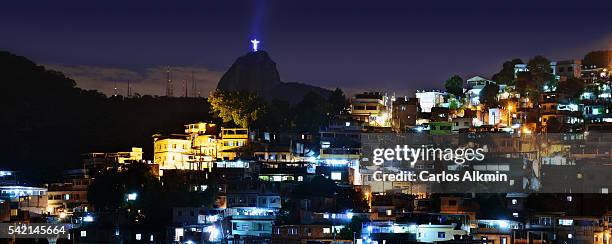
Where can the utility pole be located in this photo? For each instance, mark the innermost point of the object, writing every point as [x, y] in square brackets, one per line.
[129, 90]
[169, 88]
[194, 90]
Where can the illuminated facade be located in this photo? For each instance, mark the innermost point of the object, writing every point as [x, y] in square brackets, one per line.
[172, 152]
[430, 99]
[199, 147]
[103, 160]
[371, 108]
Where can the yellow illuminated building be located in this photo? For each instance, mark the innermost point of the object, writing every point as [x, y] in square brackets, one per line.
[172, 152]
[199, 147]
[231, 140]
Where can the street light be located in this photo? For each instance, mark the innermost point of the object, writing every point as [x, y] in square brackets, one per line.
[509, 111]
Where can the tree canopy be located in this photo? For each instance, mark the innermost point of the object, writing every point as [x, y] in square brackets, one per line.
[454, 85]
[109, 190]
[240, 108]
[573, 87]
[488, 94]
[506, 74]
[540, 70]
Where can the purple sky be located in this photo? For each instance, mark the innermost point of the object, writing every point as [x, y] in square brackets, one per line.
[356, 45]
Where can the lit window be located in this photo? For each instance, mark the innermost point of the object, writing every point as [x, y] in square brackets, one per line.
[138, 237]
[83, 233]
[514, 201]
[570, 236]
[326, 231]
[336, 176]
[566, 222]
[515, 215]
[569, 198]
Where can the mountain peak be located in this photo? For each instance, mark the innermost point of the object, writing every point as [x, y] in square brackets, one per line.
[253, 72]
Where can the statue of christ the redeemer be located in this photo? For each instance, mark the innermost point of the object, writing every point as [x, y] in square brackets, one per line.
[255, 42]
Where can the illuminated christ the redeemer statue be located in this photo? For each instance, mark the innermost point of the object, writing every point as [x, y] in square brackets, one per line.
[255, 42]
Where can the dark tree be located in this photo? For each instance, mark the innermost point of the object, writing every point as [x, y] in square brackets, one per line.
[454, 85]
[337, 102]
[506, 74]
[353, 229]
[310, 113]
[553, 125]
[277, 116]
[488, 95]
[573, 87]
[540, 70]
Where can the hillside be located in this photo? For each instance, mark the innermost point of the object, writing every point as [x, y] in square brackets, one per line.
[48, 122]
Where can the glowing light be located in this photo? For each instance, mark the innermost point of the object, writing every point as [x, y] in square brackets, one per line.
[526, 130]
[213, 233]
[62, 215]
[88, 219]
[349, 215]
[503, 224]
[255, 43]
[132, 196]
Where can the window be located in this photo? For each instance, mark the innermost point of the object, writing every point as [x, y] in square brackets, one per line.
[83, 233]
[336, 176]
[569, 198]
[138, 237]
[441, 234]
[514, 201]
[515, 215]
[326, 231]
[566, 222]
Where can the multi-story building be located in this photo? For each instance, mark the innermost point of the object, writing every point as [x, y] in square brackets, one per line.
[25, 201]
[569, 69]
[371, 108]
[97, 161]
[172, 152]
[404, 116]
[475, 86]
[64, 199]
[202, 145]
[429, 99]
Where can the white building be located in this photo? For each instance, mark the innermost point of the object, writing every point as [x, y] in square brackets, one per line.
[430, 99]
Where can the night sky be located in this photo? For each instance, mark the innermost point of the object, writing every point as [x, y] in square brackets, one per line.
[355, 45]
